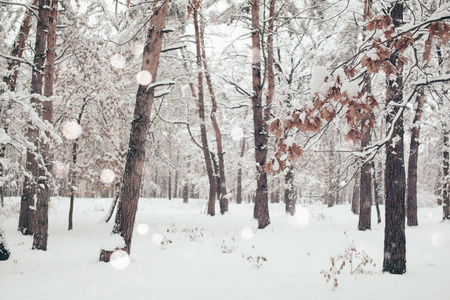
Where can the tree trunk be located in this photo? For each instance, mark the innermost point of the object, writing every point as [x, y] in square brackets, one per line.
[331, 197]
[261, 210]
[13, 72]
[115, 201]
[445, 188]
[239, 174]
[377, 200]
[289, 192]
[185, 192]
[365, 189]
[134, 165]
[223, 200]
[411, 200]
[4, 252]
[394, 260]
[43, 193]
[17, 51]
[201, 107]
[27, 202]
[355, 196]
[365, 192]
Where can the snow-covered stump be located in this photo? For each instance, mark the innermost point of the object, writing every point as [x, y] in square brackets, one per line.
[110, 245]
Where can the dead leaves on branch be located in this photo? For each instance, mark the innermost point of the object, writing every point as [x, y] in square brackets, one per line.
[333, 91]
[310, 118]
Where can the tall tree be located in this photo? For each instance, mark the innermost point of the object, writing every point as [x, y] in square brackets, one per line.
[365, 189]
[40, 233]
[260, 130]
[239, 172]
[289, 192]
[222, 185]
[27, 202]
[201, 111]
[17, 51]
[394, 234]
[411, 199]
[131, 180]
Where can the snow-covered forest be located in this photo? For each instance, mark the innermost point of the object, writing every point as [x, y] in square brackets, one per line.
[224, 149]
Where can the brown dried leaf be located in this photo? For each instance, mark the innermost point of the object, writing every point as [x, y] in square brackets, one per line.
[402, 43]
[276, 127]
[294, 152]
[350, 72]
[353, 136]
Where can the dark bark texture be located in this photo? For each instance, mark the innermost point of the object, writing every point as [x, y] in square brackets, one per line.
[239, 174]
[365, 190]
[131, 180]
[201, 110]
[44, 191]
[445, 188]
[289, 193]
[411, 200]
[27, 202]
[394, 260]
[261, 210]
[355, 195]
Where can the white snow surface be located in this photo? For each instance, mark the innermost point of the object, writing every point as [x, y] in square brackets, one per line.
[215, 257]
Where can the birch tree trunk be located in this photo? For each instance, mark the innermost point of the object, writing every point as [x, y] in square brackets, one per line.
[131, 180]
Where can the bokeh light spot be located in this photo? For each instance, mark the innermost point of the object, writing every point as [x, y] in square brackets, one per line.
[117, 61]
[142, 228]
[120, 260]
[107, 176]
[247, 233]
[144, 77]
[237, 133]
[301, 218]
[71, 130]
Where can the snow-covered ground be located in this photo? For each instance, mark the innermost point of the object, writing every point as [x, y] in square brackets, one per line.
[221, 257]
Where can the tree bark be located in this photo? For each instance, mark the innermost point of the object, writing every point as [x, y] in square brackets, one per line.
[185, 192]
[394, 260]
[377, 200]
[134, 165]
[43, 193]
[355, 196]
[445, 188]
[4, 251]
[27, 202]
[201, 105]
[411, 200]
[17, 51]
[261, 210]
[223, 200]
[239, 174]
[289, 193]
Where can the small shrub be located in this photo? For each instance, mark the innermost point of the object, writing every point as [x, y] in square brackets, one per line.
[358, 260]
[228, 248]
[256, 261]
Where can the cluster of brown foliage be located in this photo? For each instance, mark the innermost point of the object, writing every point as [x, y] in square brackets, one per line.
[386, 56]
